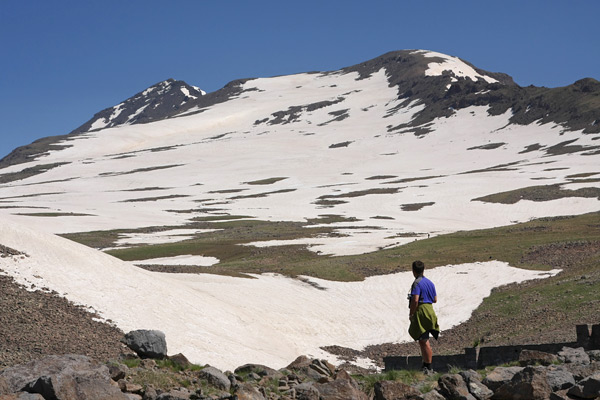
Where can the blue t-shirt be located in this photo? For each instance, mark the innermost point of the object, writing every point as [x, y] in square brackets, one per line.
[426, 291]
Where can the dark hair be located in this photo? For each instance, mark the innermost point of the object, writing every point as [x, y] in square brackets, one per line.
[418, 267]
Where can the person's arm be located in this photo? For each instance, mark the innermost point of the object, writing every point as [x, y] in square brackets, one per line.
[414, 303]
[435, 299]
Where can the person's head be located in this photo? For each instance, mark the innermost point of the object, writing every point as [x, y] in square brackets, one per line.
[418, 267]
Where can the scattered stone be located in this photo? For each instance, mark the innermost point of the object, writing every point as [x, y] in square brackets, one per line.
[248, 392]
[500, 376]
[180, 360]
[476, 388]
[594, 355]
[117, 371]
[392, 390]
[534, 357]
[258, 369]
[147, 343]
[61, 377]
[531, 383]
[588, 388]
[215, 378]
[433, 395]
[559, 378]
[453, 386]
[175, 395]
[343, 387]
[306, 391]
[574, 356]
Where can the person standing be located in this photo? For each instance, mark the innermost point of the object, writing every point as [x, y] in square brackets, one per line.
[423, 320]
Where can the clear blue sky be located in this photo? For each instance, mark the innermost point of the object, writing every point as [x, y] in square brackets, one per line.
[62, 61]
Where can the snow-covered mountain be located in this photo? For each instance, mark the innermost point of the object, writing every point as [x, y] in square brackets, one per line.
[407, 145]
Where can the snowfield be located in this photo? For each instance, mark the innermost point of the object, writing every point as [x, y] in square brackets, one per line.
[227, 322]
[327, 135]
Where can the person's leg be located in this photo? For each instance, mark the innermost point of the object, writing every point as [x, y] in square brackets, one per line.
[426, 351]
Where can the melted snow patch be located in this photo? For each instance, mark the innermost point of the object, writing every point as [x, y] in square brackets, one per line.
[189, 259]
[170, 236]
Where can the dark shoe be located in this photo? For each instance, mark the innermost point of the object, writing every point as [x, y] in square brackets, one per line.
[428, 371]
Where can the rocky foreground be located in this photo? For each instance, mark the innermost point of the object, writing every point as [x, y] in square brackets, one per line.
[570, 374]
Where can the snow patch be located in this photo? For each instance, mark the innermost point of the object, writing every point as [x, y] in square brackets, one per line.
[454, 64]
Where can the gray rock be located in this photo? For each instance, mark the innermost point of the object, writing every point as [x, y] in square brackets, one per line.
[147, 343]
[117, 371]
[594, 355]
[574, 356]
[531, 383]
[248, 392]
[476, 388]
[588, 388]
[343, 387]
[261, 370]
[388, 390]
[433, 395]
[174, 395]
[22, 396]
[533, 357]
[559, 378]
[215, 378]
[453, 386]
[306, 391]
[560, 395]
[500, 376]
[62, 377]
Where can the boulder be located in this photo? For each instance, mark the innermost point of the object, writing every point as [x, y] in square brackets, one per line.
[180, 360]
[215, 378]
[476, 388]
[393, 390]
[499, 376]
[258, 369]
[62, 377]
[306, 391]
[559, 378]
[147, 343]
[594, 355]
[311, 368]
[574, 356]
[117, 371]
[433, 395]
[534, 357]
[174, 395]
[22, 396]
[531, 384]
[453, 386]
[248, 392]
[588, 388]
[581, 371]
[343, 387]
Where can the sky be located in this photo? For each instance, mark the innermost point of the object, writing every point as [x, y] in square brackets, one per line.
[62, 61]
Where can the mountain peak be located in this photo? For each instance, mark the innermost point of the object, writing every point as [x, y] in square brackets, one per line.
[161, 100]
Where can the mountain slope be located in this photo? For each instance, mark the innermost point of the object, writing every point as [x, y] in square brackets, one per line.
[405, 146]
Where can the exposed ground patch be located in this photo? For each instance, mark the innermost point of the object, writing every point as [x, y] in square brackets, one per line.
[415, 206]
[539, 193]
